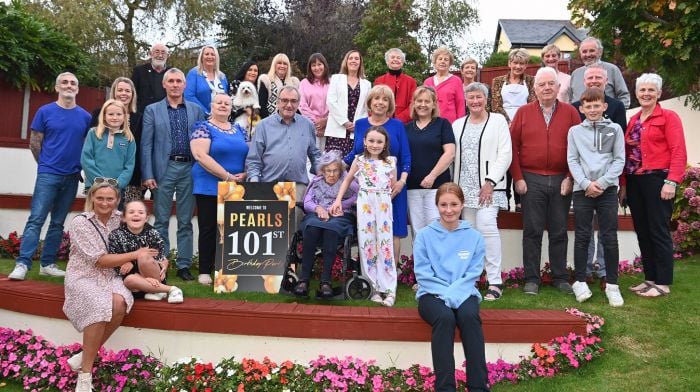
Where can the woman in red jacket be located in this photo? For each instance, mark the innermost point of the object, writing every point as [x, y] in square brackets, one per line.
[655, 161]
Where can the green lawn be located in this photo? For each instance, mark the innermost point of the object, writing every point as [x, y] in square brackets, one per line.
[651, 344]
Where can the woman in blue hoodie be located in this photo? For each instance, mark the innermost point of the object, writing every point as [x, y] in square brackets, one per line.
[449, 257]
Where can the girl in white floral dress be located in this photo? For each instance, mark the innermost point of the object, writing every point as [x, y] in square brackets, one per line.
[375, 171]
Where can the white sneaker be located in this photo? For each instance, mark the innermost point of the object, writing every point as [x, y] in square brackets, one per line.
[376, 298]
[175, 296]
[76, 361]
[155, 296]
[204, 279]
[19, 273]
[52, 270]
[612, 291]
[581, 291]
[84, 382]
[389, 300]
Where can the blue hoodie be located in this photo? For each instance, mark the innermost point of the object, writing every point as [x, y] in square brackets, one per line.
[448, 263]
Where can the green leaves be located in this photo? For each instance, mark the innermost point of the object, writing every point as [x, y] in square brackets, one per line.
[652, 36]
[32, 52]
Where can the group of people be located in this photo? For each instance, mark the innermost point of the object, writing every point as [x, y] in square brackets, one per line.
[440, 154]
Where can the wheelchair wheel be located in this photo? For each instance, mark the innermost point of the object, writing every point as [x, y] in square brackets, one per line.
[358, 287]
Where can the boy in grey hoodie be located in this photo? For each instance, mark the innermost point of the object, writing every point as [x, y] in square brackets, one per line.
[596, 157]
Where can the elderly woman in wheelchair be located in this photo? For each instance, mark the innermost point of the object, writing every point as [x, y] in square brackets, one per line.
[322, 228]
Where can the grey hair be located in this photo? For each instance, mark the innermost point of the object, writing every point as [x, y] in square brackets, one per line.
[290, 88]
[386, 55]
[174, 70]
[598, 44]
[519, 54]
[58, 78]
[329, 158]
[546, 70]
[153, 47]
[476, 86]
[649, 78]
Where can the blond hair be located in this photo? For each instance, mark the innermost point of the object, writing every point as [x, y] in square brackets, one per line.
[381, 91]
[280, 58]
[113, 92]
[435, 113]
[102, 126]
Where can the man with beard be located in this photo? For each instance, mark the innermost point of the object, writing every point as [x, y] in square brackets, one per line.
[56, 142]
[148, 77]
[591, 51]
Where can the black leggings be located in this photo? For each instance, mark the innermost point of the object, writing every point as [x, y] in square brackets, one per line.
[313, 237]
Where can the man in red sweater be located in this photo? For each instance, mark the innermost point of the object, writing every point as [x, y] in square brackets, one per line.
[401, 84]
[539, 134]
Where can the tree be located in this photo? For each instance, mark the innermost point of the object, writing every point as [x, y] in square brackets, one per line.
[32, 52]
[114, 31]
[653, 35]
[259, 30]
[444, 23]
[324, 26]
[387, 24]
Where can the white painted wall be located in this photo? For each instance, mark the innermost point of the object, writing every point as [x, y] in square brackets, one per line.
[170, 346]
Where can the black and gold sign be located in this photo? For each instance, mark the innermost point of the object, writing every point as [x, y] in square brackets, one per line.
[253, 220]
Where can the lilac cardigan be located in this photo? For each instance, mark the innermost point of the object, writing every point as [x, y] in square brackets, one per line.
[349, 199]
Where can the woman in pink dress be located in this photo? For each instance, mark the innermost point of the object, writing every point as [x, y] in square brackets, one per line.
[313, 91]
[96, 298]
[448, 87]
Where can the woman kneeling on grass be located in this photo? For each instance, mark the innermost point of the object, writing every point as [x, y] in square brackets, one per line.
[96, 298]
[449, 257]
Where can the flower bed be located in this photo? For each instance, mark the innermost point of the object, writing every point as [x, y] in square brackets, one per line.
[686, 214]
[38, 365]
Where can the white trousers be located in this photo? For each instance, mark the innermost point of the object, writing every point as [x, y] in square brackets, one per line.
[485, 221]
[421, 208]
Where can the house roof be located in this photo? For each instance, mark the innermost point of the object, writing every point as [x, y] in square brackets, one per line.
[537, 32]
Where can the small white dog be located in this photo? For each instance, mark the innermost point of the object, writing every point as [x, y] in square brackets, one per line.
[246, 100]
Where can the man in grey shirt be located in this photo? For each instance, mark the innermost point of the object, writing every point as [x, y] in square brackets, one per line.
[591, 50]
[281, 144]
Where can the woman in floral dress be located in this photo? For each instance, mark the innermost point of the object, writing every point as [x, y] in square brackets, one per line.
[96, 298]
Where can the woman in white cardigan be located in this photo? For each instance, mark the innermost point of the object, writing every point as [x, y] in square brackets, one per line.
[482, 157]
[346, 99]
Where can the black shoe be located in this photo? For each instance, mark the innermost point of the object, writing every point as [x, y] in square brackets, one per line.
[325, 290]
[184, 274]
[301, 289]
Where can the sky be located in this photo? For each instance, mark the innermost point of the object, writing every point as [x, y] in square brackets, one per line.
[490, 11]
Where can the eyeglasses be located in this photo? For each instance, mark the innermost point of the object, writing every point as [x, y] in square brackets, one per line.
[285, 101]
[102, 180]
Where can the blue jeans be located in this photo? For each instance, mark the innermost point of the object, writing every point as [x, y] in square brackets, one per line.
[176, 181]
[53, 193]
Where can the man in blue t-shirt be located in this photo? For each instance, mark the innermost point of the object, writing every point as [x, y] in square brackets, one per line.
[56, 141]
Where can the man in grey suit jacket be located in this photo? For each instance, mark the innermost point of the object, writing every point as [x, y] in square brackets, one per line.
[166, 163]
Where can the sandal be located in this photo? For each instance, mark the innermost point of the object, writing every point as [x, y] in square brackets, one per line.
[301, 289]
[640, 287]
[653, 291]
[325, 290]
[493, 293]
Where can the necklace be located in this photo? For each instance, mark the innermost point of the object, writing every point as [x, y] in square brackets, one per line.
[228, 128]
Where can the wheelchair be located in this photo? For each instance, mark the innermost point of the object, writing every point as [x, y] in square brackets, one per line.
[354, 284]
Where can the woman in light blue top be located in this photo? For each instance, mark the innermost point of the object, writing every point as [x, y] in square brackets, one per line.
[449, 258]
[205, 80]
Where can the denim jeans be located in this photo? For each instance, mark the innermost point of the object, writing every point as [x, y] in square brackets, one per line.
[605, 206]
[53, 193]
[177, 180]
[544, 206]
[595, 252]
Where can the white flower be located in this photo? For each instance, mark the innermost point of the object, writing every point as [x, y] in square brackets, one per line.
[218, 370]
[268, 377]
[230, 372]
